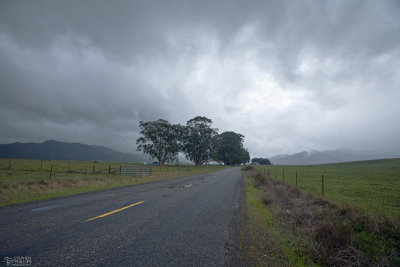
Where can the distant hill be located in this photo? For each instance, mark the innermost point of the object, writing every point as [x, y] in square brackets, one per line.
[55, 150]
[322, 157]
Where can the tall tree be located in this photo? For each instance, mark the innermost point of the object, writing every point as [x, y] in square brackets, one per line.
[228, 148]
[197, 139]
[160, 140]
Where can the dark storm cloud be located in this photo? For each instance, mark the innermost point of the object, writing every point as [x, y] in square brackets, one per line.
[89, 71]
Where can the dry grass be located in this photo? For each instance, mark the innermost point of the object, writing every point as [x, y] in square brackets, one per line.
[16, 190]
[310, 227]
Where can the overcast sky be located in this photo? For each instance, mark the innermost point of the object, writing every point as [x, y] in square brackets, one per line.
[288, 75]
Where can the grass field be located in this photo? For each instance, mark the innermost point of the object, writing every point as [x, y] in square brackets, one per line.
[372, 186]
[29, 180]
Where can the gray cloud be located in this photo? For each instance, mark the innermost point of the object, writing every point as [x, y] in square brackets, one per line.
[288, 75]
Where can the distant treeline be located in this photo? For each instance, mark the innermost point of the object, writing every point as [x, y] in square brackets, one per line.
[261, 161]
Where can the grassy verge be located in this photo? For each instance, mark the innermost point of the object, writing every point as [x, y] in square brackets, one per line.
[262, 241]
[290, 227]
[29, 180]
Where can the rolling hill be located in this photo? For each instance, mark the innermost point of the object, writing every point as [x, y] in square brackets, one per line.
[323, 157]
[56, 150]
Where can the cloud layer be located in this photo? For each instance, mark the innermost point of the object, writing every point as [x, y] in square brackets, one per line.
[288, 75]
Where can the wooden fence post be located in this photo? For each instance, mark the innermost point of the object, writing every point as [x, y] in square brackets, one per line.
[275, 173]
[268, 172]
[296, 178]
[9, 164]
[41, 164]
[283, 176]
[69, 164]
[51, 170]
[109, 170]
[94, 168]
[323, 189]
[85, 170]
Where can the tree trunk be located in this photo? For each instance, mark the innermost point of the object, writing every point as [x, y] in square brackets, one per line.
[160, 161]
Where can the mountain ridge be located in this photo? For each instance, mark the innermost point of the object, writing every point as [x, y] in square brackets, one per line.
[323, 157]
[57, 150]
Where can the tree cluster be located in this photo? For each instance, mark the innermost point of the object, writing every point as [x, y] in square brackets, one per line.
[261, 161]
[229, 149]
[197, 140]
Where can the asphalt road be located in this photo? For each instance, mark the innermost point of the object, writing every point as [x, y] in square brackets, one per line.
[178, 222]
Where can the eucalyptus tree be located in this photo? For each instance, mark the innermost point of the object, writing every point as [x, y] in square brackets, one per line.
[160, 140]
[228, 148]
[197, 140]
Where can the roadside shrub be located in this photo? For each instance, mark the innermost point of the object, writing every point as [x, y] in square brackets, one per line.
[294, 191]
[323, 202]
[247, 168]
[347, 211]
[332, 237]
[266, 198]
[260, 179]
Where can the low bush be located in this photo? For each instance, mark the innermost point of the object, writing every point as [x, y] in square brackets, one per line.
[247, 168]
[260, 179]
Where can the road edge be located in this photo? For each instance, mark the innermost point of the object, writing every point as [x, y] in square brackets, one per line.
[232, 245]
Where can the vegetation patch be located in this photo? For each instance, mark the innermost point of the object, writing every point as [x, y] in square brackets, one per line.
[371, 186]
[262, 242]
[304, 230]
[30, 180]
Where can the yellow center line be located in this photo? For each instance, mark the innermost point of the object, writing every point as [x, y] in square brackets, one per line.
[114, 211]
[188, 185]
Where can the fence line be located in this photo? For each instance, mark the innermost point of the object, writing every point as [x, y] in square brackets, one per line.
[37, 170]
[375, 204]
[32, 169]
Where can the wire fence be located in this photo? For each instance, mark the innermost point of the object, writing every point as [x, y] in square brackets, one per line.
[32, 170]
[369, 193]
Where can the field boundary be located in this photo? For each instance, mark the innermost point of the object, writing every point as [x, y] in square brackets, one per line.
[288, 226]
[31, 180]
[375, 205]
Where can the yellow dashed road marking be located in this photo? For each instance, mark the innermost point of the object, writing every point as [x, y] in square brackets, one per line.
[114, 211]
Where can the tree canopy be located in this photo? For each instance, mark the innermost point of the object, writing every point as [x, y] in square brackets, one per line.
[197, 140]
[160, 140]
[228, 148]
[261, 161]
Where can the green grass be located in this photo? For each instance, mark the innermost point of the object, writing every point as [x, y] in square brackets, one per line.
[262, 241]
[29, 180]
[307, 230]
[372, 186]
